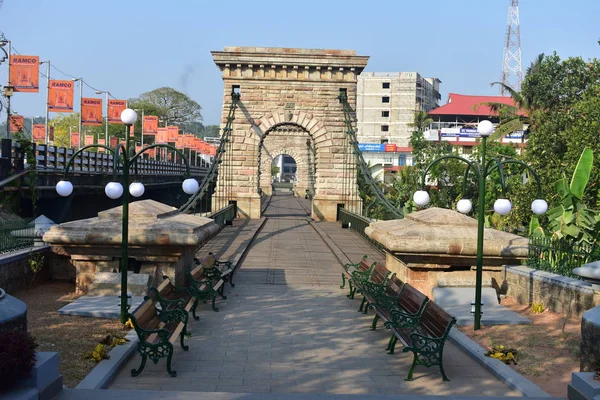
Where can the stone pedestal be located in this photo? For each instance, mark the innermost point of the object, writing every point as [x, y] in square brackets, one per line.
[248, 204]
[438, 247]
[325, 207]
[13, 313]
[160, 242]
[590, 337]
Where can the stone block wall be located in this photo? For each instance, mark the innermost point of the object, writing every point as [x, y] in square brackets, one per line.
[15, 272]
[554, 291]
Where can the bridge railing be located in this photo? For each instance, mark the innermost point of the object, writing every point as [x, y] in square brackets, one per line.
[16, 234]
[55, 159]
[357, 223]
[223, 215]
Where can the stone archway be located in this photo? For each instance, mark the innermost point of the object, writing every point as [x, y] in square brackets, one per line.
[282, 89]
[285, 139]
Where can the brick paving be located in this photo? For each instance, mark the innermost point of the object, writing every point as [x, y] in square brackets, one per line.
[288, 327]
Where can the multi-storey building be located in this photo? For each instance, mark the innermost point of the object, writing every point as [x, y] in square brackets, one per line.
[386, 105]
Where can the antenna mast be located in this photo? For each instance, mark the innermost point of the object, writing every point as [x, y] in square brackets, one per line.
[512, 70]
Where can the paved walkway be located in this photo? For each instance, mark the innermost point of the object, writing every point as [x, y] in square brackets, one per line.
[287, 327]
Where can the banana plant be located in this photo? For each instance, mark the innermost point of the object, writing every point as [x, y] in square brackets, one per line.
[572, 220]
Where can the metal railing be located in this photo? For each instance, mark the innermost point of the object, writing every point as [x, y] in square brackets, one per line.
[16, 234]
[224, 215]
[559, 256]
[357, 223]
[55, 159]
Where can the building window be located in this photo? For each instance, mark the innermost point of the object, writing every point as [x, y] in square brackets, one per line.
[385, 99]
[385, 128]
[467, 150]
[385, 114]
[385, 85]
[384, 141]
[402, 160]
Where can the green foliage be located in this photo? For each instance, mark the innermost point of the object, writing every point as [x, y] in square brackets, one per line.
[36, 263]
[98, 354]
[537, 308]
[17, 357]
[421, 121]
[571, 218]
[274, 170]
[171, 106]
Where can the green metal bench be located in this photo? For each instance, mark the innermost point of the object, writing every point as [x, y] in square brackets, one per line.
[170, 297]
[216, 269]
[371, 284]
[354, 272]
[205, 286]
[157, 331]
[426, 339]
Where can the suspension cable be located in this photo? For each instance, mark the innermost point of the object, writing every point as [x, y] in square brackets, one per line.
[213, 174]
[362, 166]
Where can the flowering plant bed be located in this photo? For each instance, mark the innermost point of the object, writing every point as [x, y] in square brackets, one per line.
[505, 354]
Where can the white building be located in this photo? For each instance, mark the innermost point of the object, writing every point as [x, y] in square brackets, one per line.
[386, 105]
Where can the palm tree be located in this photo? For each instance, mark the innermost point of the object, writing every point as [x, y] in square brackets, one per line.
[421, 121]
[513, 117]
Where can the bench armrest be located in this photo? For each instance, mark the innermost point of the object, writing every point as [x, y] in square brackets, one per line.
[401, 319]
[170, 316]
[426, 344]
[165, 303]
[144, 333]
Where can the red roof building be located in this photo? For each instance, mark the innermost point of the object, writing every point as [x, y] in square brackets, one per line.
[465, 105]
[457, 120]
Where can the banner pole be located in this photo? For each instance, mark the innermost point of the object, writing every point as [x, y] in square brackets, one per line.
[47, 99]
[142, 127]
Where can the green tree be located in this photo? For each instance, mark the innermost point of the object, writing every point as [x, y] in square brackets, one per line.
[274, 170]
[421, 121]
[61, 124]
[171, 106]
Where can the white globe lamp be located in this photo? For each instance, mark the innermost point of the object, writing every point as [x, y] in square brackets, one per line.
[128, 116]
[113, 190]
[485, 128]
[539, 206]
[136, 189]
[464, 206]
[502, 206]
[64, 188]
[421, 198]
[190, 186]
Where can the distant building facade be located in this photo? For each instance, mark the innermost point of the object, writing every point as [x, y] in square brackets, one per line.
[386, 105]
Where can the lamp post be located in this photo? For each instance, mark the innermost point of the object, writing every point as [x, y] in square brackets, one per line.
[114, 189]
[8, 92]
[502, 206]
[80, 80]
[107, 93]
[47, 97]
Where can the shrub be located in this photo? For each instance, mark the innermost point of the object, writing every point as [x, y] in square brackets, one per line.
[17, 357]
[537, 308]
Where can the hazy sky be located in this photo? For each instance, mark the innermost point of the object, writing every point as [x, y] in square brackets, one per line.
[132, 46]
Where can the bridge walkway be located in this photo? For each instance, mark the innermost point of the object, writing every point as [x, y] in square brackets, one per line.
[287, 327]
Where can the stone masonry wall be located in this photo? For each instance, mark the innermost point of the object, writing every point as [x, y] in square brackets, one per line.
[554, 291]
[15, 272]
[288, 86]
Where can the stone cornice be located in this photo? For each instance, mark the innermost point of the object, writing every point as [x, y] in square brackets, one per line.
[289, 64]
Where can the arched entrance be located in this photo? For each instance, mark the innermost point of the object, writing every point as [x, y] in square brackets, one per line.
[287, 141]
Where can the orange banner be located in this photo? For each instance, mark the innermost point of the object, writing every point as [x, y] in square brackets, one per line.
[38, 133]
[91, 111]
[173, 133]
[162, 135]
[74, 139]
[150, 125]
[60, 96]
[16, 123]
[179, 141]
[115, 108]
[89, 139]
[103, 142]
[114, 141]
[24, 73]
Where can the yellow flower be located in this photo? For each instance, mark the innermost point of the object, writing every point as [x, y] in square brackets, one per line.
[501, 347]
[129, 324]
